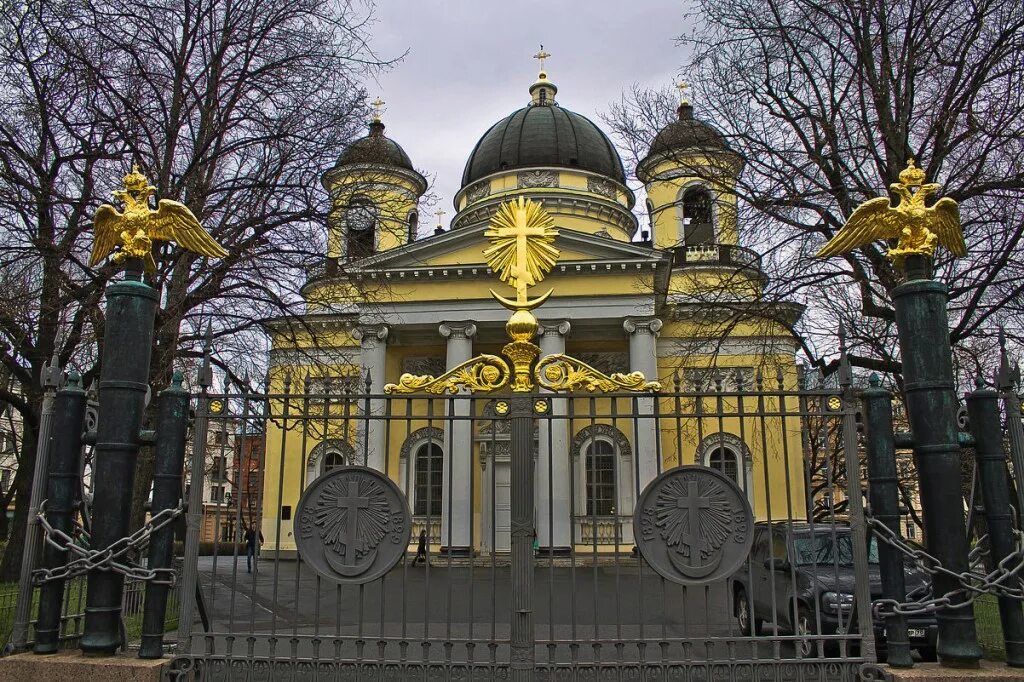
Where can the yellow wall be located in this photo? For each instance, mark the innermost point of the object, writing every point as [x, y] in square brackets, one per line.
[665, 193]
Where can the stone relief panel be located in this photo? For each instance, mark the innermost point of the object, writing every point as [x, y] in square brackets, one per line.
[421, 365]
[608, 362]
[705, 379]
[538, 178]
[478, 191]
[601, 186]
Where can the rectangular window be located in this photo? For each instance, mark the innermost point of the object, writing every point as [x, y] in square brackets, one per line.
[286, 513]
[217, 493]
[5, 480]
[220, 469]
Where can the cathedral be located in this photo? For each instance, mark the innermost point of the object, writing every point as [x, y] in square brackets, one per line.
[658, 295]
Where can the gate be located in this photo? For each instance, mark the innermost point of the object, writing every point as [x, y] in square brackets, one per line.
[527, 506]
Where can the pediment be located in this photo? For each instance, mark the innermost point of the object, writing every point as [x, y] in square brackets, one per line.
[465, 248]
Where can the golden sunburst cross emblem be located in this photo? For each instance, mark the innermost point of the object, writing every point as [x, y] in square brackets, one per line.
[522, 235]
[916, 226]
[133, 231]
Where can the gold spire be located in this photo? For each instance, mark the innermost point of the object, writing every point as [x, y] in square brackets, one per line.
[540, 57]
[377, 104]
[542, 92]
[684, 92]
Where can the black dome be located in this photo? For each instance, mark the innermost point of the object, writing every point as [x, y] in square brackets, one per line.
[544, 136]
[376, 149]
[686, 133]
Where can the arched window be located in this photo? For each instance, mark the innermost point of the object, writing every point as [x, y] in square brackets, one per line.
[360, 224]
[726, 462]
[698, 227]
[429, 476]
[600, 467]
[334, 460]
[650, 215]
[414, 223]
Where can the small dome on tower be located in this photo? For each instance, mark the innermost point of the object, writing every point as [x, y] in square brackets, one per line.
[376, 149]
[684, 134]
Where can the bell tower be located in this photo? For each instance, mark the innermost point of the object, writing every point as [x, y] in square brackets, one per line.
[690, 176]
[375, 192]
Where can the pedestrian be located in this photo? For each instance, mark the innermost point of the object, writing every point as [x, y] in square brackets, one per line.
[421, 551]
[250, 547]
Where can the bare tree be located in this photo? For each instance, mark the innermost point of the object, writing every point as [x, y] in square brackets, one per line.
[234, 108]
[826, 101]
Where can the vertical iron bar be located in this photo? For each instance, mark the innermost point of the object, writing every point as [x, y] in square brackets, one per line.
[880, 448]
[124, 382]
[854, 498]
[194, 510]
[983, 408]
[50, 379]
[1008, 380]
[69, 414]
[522, 636]
[169, 460]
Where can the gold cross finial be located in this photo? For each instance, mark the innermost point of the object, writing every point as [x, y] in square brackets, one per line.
[541, 56]
[377, 104]
[684, 92]
[440, 212]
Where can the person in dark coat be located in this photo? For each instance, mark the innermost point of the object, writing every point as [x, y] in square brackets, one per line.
[421, 551]
[251, 547]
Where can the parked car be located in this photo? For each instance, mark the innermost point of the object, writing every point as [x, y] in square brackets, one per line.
[801, 579]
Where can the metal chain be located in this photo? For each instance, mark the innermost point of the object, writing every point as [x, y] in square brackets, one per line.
[110, 558]
[972, 584]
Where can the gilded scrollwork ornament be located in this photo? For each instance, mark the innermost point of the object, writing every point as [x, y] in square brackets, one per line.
[480, 374]
[565, 373]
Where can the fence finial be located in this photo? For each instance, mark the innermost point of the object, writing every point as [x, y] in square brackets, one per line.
[1008, 374]
[845, 370]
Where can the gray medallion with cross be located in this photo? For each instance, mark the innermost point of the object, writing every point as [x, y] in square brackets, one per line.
[693, 525]
[352, 525]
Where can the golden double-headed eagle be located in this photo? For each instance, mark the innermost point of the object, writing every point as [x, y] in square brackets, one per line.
[917, 227]
[135, 229]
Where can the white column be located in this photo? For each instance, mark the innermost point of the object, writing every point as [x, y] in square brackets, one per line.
[457, 504]
[643, 357]
[372, 356]
[554, 515]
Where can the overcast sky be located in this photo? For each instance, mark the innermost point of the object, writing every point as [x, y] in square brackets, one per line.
[469, 65]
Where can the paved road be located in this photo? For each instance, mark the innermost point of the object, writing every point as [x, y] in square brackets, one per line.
[591, 608]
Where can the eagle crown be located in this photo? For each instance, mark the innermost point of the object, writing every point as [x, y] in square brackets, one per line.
[137, 191]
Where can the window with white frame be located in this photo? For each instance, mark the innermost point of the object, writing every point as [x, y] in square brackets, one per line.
[600, 478]
[429, 467]
[725, 461]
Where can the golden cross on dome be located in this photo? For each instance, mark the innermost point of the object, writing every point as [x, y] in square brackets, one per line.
[440, 212]
[684, 92]
[377, 104]
[541, 56]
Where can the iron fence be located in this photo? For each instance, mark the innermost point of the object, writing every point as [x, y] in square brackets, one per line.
[594, 606]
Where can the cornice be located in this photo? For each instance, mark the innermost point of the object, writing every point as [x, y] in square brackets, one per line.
[557, 199]
[417, 180]
[515, 172]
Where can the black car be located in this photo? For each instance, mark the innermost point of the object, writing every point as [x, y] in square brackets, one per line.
[801, 579]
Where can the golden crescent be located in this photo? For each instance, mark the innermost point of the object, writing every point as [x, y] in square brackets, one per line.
[526, 305]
